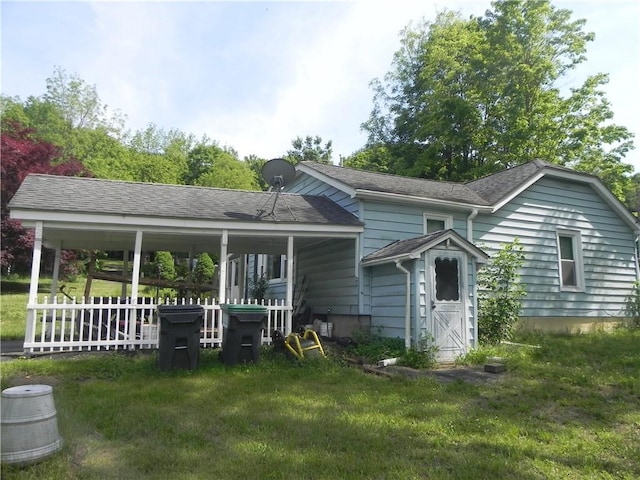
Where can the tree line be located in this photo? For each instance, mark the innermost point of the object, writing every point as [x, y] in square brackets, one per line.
[464, 98]
[69, 131]
[467, 97]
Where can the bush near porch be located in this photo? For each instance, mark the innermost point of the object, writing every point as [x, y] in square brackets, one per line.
[566, 410]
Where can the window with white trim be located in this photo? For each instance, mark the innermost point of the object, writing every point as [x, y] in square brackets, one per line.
[434, 222]
[570, 260]
[273, 267]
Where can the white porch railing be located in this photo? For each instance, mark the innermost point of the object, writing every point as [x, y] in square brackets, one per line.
[110, 323]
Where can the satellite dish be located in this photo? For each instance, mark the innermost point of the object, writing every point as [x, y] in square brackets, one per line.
[278, 172]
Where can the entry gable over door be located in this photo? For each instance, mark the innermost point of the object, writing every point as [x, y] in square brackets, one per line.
[413, 248]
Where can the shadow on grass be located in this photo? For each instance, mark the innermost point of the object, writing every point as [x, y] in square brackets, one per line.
[560, 414]
[14, 287]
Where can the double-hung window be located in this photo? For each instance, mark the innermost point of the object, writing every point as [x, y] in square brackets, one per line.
[570, 260]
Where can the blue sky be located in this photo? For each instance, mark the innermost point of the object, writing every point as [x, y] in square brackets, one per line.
[255, 75]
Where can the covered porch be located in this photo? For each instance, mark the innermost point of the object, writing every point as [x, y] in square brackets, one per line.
[70, 213]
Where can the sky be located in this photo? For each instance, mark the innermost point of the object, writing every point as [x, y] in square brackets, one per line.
[256, 75]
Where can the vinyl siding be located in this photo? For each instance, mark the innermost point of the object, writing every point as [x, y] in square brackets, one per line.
[388, 299]
[607, 248]
[307, 185]
[330, 269]
[388, 222]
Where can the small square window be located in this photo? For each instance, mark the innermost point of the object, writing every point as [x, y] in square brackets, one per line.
[434, 225]
[434, 222]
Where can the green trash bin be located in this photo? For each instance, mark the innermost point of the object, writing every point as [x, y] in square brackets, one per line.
[179, 342]
[242, 327]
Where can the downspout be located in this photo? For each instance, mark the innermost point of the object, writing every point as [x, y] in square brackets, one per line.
[472, 215]
[407, 306]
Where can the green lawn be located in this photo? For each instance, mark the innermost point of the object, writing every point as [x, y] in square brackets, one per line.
[14, 295]
[570, 409]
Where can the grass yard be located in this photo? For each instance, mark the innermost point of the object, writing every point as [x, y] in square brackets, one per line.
[14, 296]
[570, 409]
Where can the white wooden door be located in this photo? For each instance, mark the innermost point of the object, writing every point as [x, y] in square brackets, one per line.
[448, 303]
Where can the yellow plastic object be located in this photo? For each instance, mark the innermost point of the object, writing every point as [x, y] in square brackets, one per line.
[309, 345]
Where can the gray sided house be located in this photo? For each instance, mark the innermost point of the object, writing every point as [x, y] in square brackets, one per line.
[413, 268]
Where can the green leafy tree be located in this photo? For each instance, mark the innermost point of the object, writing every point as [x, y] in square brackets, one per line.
[204, 270]
[212, 166]
[374, 158]
[310, 149]
[500, 294]
[22, 153]
[468, 97]
[256, 163]
[162, 266]
[71, 116]
[79, 103]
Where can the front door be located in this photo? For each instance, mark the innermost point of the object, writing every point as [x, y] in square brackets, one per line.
[448, 303]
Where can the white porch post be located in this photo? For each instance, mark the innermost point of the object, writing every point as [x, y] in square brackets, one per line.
[56, 271]
[222, 285]
[135, 276]
[242, 274]
[290, 271]
[29, 334]
[125, 270]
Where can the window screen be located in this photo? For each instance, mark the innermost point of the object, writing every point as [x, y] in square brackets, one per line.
[447, 281]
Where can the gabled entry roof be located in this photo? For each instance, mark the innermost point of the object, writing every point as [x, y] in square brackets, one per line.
[413, 248]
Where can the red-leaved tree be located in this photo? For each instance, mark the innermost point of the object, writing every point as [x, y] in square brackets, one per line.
[23, 153]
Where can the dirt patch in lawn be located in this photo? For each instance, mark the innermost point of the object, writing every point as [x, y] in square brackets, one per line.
[443, 374]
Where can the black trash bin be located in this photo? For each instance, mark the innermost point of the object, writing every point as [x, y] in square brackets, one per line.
[179, 343]
[242, 332]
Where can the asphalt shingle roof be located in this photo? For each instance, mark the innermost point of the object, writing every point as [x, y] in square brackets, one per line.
[498, 185]
[416, 245]
[482, 192]
[403, 247]
[386, 183]
[89, 195]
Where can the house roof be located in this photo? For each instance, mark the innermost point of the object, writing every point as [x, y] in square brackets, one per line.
[363, 181]
[88, 213]
[52, 193]
[412, 248]
[486, 194]
[498, 185]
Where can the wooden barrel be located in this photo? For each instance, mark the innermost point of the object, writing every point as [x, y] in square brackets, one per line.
[29, 424]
